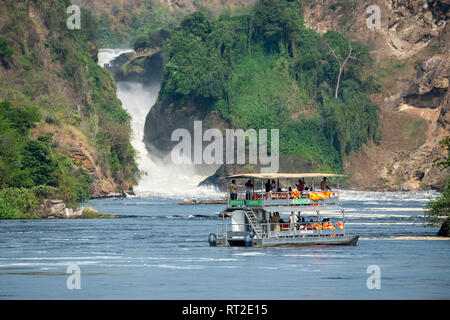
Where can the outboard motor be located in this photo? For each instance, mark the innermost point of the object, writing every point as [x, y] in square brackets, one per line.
[248, 240]
[212, 239]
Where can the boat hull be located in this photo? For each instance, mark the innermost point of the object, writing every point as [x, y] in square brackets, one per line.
[347, 240]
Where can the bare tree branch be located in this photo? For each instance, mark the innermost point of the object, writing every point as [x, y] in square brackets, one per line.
[341, 64]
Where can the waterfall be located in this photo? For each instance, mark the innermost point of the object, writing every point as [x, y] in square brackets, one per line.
[160, 177]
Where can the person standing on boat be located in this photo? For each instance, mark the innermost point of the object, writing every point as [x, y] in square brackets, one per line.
[268, 186]
[293, 219]
[248, 190]
[273, 190]
[301, 185]
[324, 185]
[233, 190]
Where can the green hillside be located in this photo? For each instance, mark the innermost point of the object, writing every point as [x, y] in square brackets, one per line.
[264, 69]
[61, 124]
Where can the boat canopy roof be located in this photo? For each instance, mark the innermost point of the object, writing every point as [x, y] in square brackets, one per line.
[282, 175]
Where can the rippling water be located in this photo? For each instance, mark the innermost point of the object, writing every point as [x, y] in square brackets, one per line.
[158, 249]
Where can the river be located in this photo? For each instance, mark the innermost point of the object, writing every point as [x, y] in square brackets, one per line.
[158, 249]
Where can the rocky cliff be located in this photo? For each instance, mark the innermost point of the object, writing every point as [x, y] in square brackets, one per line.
[412, 52]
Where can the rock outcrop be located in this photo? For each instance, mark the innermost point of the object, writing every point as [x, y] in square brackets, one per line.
[145, 66]
[414, 36]
[56, 209]
[190, 202]
[444, 231]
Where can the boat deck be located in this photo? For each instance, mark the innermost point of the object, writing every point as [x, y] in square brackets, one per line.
[248, 227]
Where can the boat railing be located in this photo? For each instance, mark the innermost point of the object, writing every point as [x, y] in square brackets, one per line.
[276, 199]
[282, 230]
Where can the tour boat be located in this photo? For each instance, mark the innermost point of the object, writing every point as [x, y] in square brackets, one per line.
[255, 215]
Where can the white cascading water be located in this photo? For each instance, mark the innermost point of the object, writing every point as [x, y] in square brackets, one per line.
[160, 177]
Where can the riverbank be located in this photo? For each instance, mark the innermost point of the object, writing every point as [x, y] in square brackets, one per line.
[56, 209]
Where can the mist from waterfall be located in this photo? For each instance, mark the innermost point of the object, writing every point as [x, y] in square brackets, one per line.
[159, 176]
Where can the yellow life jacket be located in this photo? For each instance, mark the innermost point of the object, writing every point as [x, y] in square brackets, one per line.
[314, 196]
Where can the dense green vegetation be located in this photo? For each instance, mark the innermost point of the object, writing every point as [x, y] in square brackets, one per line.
[91, 103]
[125, 25]
[440, 207]
[24, 203]
[89, 213]
[5, 52]
[53, 69]
[265, 69]
[32, 169]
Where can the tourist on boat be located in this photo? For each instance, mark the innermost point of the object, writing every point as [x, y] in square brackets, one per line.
[274, 219]
[273, 190]
[277, 218]
[248, 190]
[324, 185]
[273, 186]
[268, 187]
[233, 190]
[293, 219]
[301, 185]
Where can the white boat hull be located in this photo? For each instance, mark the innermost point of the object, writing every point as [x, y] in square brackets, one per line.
[347, 240]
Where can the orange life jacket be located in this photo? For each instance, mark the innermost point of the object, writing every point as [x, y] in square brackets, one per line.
[328, 226]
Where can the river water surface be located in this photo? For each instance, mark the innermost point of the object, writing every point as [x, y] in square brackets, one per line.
[158, 249]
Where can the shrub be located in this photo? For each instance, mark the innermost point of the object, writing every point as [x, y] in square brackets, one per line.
[440, 207]
[7, 210]
[18, 203]
[90, 213]
[5, 53]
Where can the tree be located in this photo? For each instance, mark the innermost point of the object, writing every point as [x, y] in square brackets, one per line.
[440, 207]
[197, 24]
[341, 57]
[5, 53]
[278, 23]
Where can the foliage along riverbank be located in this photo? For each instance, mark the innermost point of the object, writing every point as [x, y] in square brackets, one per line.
[63, 132]
[32, 170]
[264, 69]
[439, 208]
